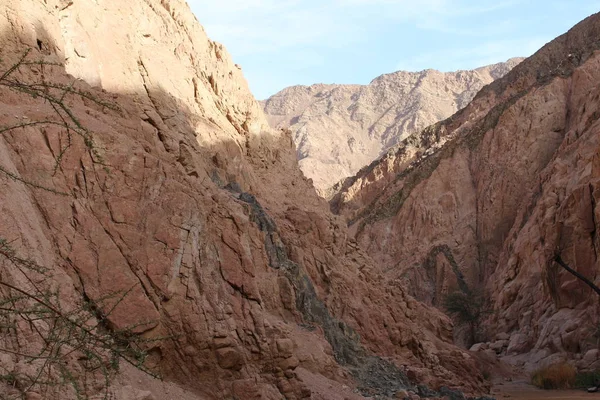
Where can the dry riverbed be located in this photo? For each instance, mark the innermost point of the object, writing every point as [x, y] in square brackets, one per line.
[522, 390]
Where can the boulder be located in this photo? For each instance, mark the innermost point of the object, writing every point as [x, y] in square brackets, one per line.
[479, 347]
[518, 343]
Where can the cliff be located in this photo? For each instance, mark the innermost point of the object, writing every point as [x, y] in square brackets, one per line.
[489, 197]
[149, 215]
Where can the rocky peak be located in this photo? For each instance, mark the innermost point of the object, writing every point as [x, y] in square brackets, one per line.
[338, 129]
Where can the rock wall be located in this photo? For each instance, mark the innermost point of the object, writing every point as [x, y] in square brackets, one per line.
[502, 187]
[169, 190]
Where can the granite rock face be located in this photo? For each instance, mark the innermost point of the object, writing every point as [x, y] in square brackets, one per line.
[338, 129]
[173, 190]
[488, 198]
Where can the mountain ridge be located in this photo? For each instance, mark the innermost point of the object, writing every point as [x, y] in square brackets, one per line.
[338, 129]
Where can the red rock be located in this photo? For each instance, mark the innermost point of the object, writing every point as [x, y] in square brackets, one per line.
[492, 194]
[197, 270]
[289, 363]
[285, 347]
[230, 358]
[165, 222]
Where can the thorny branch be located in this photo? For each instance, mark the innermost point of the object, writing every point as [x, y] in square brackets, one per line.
[54, 351]
[82, 334]
[56, 95]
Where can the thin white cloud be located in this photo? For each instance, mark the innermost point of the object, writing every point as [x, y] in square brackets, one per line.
[265, 26]
[423, 8]
[251, 26]
[442, 15]
[292, 41]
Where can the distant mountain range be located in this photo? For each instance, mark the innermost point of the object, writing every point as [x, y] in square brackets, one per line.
[338, 129]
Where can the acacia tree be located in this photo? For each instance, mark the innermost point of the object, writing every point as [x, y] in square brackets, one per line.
[467, 307]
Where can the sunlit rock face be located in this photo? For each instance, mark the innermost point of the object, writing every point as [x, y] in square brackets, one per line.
[489, 197]
[171, 189]
[338, 129]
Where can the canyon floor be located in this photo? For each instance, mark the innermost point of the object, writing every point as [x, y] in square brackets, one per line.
[522, 390]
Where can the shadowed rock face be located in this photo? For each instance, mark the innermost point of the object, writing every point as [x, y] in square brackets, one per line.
[503, 185]
[339, 129]
[190, 204]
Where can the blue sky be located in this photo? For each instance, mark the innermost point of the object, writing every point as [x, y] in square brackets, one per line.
[281, 43]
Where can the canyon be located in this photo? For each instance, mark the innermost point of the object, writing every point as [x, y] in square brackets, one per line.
[487, 199]
[150, 214]
[159, 240]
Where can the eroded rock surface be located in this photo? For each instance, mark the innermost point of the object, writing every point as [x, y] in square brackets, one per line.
[180, 196]
[490, 196]
[338, 129]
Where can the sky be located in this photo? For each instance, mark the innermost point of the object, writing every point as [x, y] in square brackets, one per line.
[281, 43]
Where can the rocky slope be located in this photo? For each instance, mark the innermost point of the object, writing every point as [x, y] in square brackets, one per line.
[490, 196]
[143, 195]
[338, 129]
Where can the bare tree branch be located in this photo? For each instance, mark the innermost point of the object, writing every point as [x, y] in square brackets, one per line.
[585, 280]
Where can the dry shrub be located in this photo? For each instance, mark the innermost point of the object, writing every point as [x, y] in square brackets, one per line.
[555, 376]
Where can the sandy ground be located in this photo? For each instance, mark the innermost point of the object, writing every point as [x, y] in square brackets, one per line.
[521, 390]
